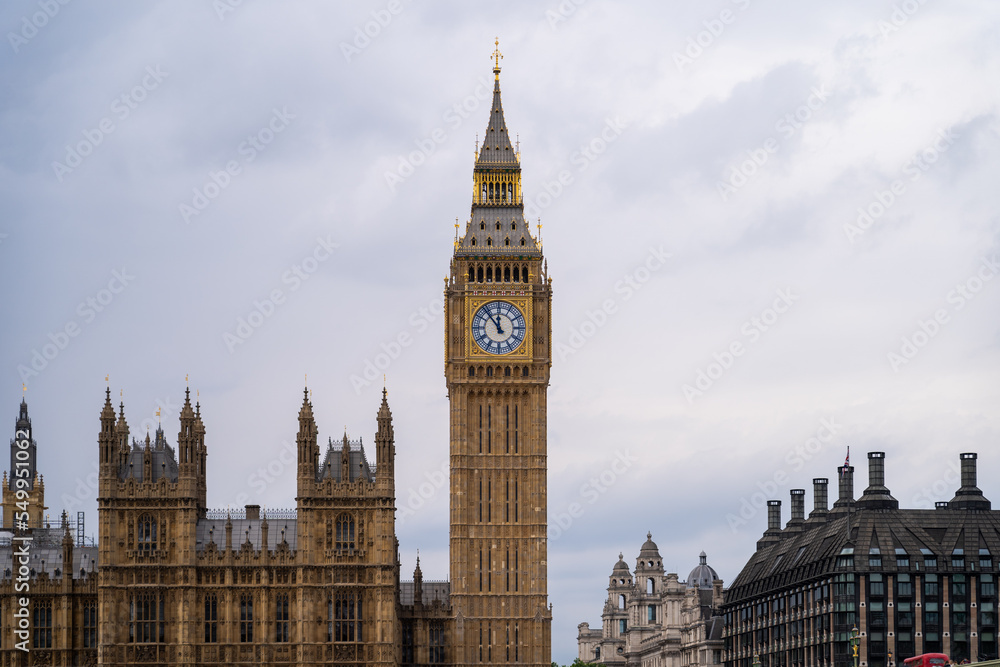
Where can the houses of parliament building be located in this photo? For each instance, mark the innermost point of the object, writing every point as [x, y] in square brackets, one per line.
[170, 581]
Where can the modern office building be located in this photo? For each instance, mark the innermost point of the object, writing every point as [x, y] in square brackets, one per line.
[910, 580]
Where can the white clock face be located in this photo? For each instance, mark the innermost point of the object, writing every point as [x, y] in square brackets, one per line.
[498, 327]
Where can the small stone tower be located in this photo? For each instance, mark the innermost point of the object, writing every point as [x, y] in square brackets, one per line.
[24, 475]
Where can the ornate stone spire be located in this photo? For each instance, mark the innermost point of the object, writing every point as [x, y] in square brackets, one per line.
[497, 224]
[308, 446]
[23, 425]
[121, 434]
[385, 444]
[418, 583]
[345, 459]
[497, 148]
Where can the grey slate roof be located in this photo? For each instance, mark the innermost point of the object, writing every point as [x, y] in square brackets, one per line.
[243, 529]
[483, 226]
[811, 554]
[46, 554]
[714, 628]
[330, 468]
[432, 590]
[164, 460]
[702, 575]
[497, 150]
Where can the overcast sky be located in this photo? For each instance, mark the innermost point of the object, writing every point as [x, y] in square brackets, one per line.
[766, 222]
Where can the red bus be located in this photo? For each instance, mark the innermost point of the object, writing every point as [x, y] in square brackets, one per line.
[927, 660]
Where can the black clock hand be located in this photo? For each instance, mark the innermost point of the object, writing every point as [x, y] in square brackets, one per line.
[497, 322]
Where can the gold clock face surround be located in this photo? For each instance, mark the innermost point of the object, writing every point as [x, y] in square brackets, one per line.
[498, 326]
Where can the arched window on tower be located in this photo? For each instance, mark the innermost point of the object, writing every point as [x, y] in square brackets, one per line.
[517, 272]
[506, 242]
[472, 274]
[147, 534]
[506, 269]
[489, 274]
[489, 371]
[524, 272]
[472, 371]
[650, 586]
[345, 532]
[489, 242]
[473, 241]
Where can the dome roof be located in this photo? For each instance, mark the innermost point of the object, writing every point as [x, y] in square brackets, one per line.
[621, 566]
[703, 575]
[649, 548]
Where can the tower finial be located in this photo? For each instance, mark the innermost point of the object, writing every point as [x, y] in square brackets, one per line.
[497, 57]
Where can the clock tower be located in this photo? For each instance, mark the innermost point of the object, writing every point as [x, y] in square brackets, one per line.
[498, 352]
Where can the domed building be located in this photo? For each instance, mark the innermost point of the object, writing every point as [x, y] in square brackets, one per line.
[703, 575]
[654, 619]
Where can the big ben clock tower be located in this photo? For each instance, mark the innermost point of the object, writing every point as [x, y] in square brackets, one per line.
[498, 352]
